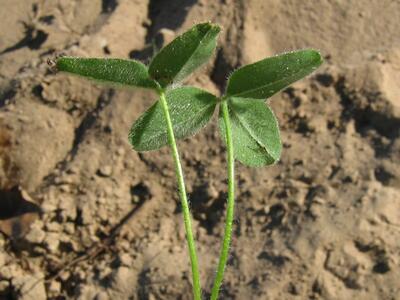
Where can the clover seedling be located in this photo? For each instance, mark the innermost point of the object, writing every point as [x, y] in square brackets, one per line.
[247, 124]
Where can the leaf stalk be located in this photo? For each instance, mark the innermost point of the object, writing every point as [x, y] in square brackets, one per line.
[230, 204]
[184, 201]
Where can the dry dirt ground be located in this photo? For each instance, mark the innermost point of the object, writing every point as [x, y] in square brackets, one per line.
[324, 223]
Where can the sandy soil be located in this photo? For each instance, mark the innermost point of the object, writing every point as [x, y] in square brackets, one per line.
[324, 223]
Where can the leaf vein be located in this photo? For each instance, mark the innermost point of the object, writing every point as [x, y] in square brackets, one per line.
[252, 135]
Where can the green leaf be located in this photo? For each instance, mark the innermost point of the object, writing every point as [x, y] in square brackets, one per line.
[268, 76]
[190, 109]
[108, 70]
[184, 54]
[255, 132]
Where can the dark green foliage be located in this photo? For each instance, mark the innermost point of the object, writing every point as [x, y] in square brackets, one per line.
[255, 132]
[255, 129]
[268, 76]
[183, 55]
[108, 70]
[190, 110]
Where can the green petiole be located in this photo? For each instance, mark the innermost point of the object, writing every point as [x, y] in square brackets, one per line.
[184, 201]
[230, 204]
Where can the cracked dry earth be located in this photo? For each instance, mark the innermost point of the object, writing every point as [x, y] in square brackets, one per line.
[82, 216]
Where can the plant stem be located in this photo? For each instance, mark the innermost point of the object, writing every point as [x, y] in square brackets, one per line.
[184, 201]
[230, 204]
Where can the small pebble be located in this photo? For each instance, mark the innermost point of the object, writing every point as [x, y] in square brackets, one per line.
[35, 236]
[52, 241]
[102, 296]
[125, 259]
[54, 287]
[105, 171]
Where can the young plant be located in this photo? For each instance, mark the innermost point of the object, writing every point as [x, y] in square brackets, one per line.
[247, 124]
